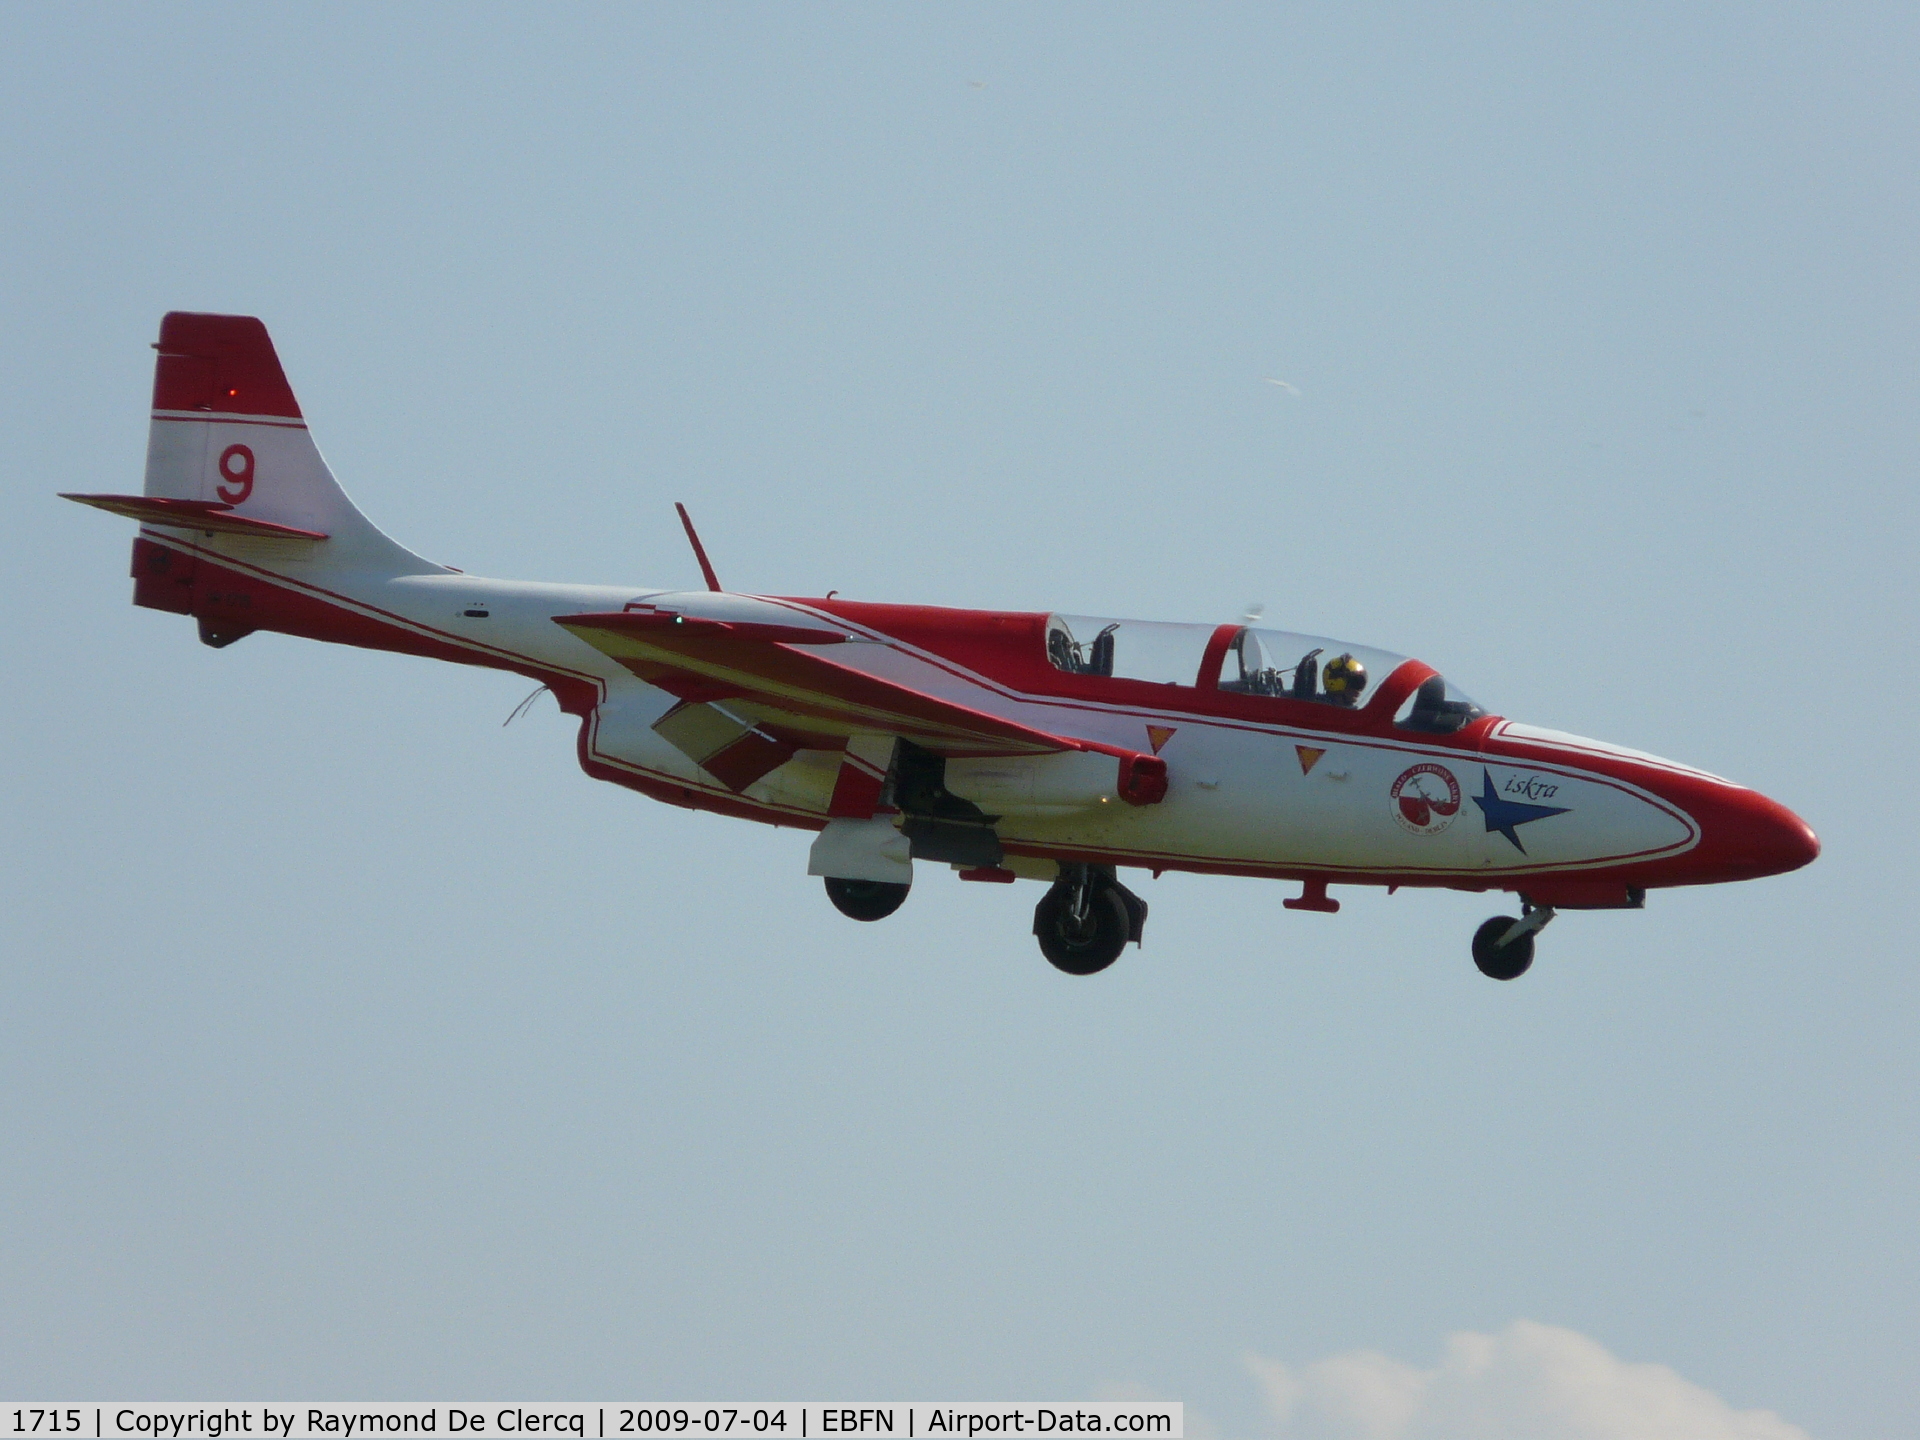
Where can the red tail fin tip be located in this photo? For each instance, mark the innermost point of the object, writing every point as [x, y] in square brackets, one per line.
[224, 364]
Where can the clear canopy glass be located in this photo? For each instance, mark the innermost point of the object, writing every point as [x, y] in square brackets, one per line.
[1305, 667]
[1128, 649]
[1282, 664]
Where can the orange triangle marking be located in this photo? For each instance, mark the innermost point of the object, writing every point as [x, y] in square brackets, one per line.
[1158, 735]
[1309, 756]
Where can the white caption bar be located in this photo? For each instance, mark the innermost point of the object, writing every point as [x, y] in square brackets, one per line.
[789, 1420]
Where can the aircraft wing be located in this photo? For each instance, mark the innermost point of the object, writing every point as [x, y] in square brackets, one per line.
[779, 672]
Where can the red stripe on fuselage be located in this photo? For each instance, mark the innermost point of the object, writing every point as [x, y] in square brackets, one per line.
[332, 616]
[300, 608]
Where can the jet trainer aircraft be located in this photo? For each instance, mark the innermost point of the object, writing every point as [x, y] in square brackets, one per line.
[1047, 747]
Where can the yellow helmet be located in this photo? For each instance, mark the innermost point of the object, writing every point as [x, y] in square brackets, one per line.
[1344, 678]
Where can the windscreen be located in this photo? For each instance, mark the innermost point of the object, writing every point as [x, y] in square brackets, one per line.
[1436, 708]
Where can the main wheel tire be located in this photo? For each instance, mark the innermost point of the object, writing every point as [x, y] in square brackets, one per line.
[1497, 961]
[866, 899]
[1092, 944]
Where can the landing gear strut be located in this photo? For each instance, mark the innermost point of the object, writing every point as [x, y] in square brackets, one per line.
[866, 899]
[1503, 946]
[1086, 919]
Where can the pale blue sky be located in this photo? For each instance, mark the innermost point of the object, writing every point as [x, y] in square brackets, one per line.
[358, 1047]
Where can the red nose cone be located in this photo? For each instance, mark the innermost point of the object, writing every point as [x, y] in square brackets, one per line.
[1746, 835]
[1802, 847]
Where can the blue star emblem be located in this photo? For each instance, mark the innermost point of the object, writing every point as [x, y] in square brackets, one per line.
[1503, 815]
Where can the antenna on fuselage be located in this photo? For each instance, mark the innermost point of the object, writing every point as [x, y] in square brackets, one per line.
[699, 550]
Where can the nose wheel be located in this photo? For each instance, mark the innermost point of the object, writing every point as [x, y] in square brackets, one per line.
[1503, 946]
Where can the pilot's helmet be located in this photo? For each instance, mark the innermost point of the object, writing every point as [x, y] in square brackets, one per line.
[1343, 680]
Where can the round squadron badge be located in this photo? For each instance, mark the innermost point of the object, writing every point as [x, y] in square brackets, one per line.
[1425, 798]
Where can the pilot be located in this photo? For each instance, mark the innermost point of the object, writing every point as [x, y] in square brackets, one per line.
[1343, 679]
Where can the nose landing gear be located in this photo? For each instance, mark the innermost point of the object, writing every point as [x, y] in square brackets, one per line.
[1503, 946]
[1086, 919]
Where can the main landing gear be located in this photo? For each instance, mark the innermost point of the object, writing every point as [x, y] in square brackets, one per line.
[1086, 919]
[1083, 922]
[1503, 946]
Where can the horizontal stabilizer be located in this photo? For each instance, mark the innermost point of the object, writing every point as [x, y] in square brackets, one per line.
[192, 515]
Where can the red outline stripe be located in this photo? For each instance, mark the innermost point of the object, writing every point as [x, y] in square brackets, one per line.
[371, 611]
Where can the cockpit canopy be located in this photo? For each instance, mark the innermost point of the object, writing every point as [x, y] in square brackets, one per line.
[1150, 650]
[1278, 664]
[1304, 667]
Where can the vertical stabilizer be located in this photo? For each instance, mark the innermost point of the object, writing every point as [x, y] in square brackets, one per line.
[227, 430]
